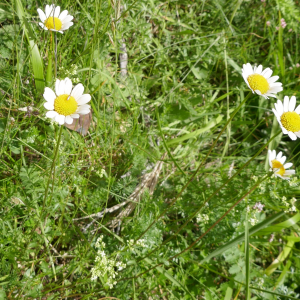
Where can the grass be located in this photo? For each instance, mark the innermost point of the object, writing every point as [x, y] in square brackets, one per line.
[178, 145]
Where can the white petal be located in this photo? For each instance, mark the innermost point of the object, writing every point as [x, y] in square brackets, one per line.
[287, 165]
[57, 11]
[63, 14]
[297, 110]
[283, 129]
[279, 155]
[275, 89]
[280, 107]
[49, 106]
[259, 69]
[57, 84]
[75, 116]
[43, 26]
[267, 73]
[60, 119]
[83, 107]
[61, 88]
[51, 114]
[69, 120]
[292, 135]
[49, 95]
[77, 91]
[84, 99]
[67, 19]
[286, 104]
[84, 112]
[274, 154]
[47, 11]
[289, 172]
[273, 79]
[283, 159]
[41, 15]
[292, 103]
[258, 92]
[67, 25]
[68, 86]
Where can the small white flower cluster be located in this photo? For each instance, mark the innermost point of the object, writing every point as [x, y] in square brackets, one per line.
[105, 267]
[260, 282]
[70, 73]
[290, 207]
[257, 208]
[101, 173]
[202, 218]
[271, 239]
[140, 243]
[254, 178]
[293, 181]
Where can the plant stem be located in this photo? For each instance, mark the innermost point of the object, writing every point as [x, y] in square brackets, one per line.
[52, 166]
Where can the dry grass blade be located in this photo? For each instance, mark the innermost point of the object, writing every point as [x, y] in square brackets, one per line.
[149, 182]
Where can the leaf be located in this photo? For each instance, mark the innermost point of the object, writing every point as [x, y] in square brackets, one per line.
[247, 260]
[36, 60]
[228, 294]
[195, 134]
[281, 278]
[281, 257]
[278, 227]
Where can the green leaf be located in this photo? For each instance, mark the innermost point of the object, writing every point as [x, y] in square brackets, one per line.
[280, 226]
[282, 276]
[247, 260]
[195, 134]
[281, 257]
[36, 60]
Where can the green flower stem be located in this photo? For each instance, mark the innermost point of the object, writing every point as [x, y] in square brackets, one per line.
[52, 166]
[49, 67]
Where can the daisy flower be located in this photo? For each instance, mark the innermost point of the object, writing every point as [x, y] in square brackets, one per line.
[66, 103]
[288, 117]
[53, 20]
[278, 167]
[260, 81]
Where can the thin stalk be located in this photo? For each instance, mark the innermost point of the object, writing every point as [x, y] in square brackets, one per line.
[52, 166]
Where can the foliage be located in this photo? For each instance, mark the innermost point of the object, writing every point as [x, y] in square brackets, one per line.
[183, 83]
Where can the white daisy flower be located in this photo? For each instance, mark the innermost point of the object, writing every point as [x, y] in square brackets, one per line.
[288, 117]
[66, 104]
[53, 20]
[260, 81]
[278, 167]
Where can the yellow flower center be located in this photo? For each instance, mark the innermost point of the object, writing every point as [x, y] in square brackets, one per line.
[65, 107]
[258, 82]
[290, 121]
[278, 165]
[50, 24]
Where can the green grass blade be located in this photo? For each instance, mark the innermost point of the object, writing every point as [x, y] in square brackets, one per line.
[247, 260]
[35, 57]
[278, 227]
[228, 294]
[281, 257]
[283, 274]
[195, 133]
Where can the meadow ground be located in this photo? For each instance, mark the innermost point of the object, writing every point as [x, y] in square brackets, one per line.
[165, 191]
